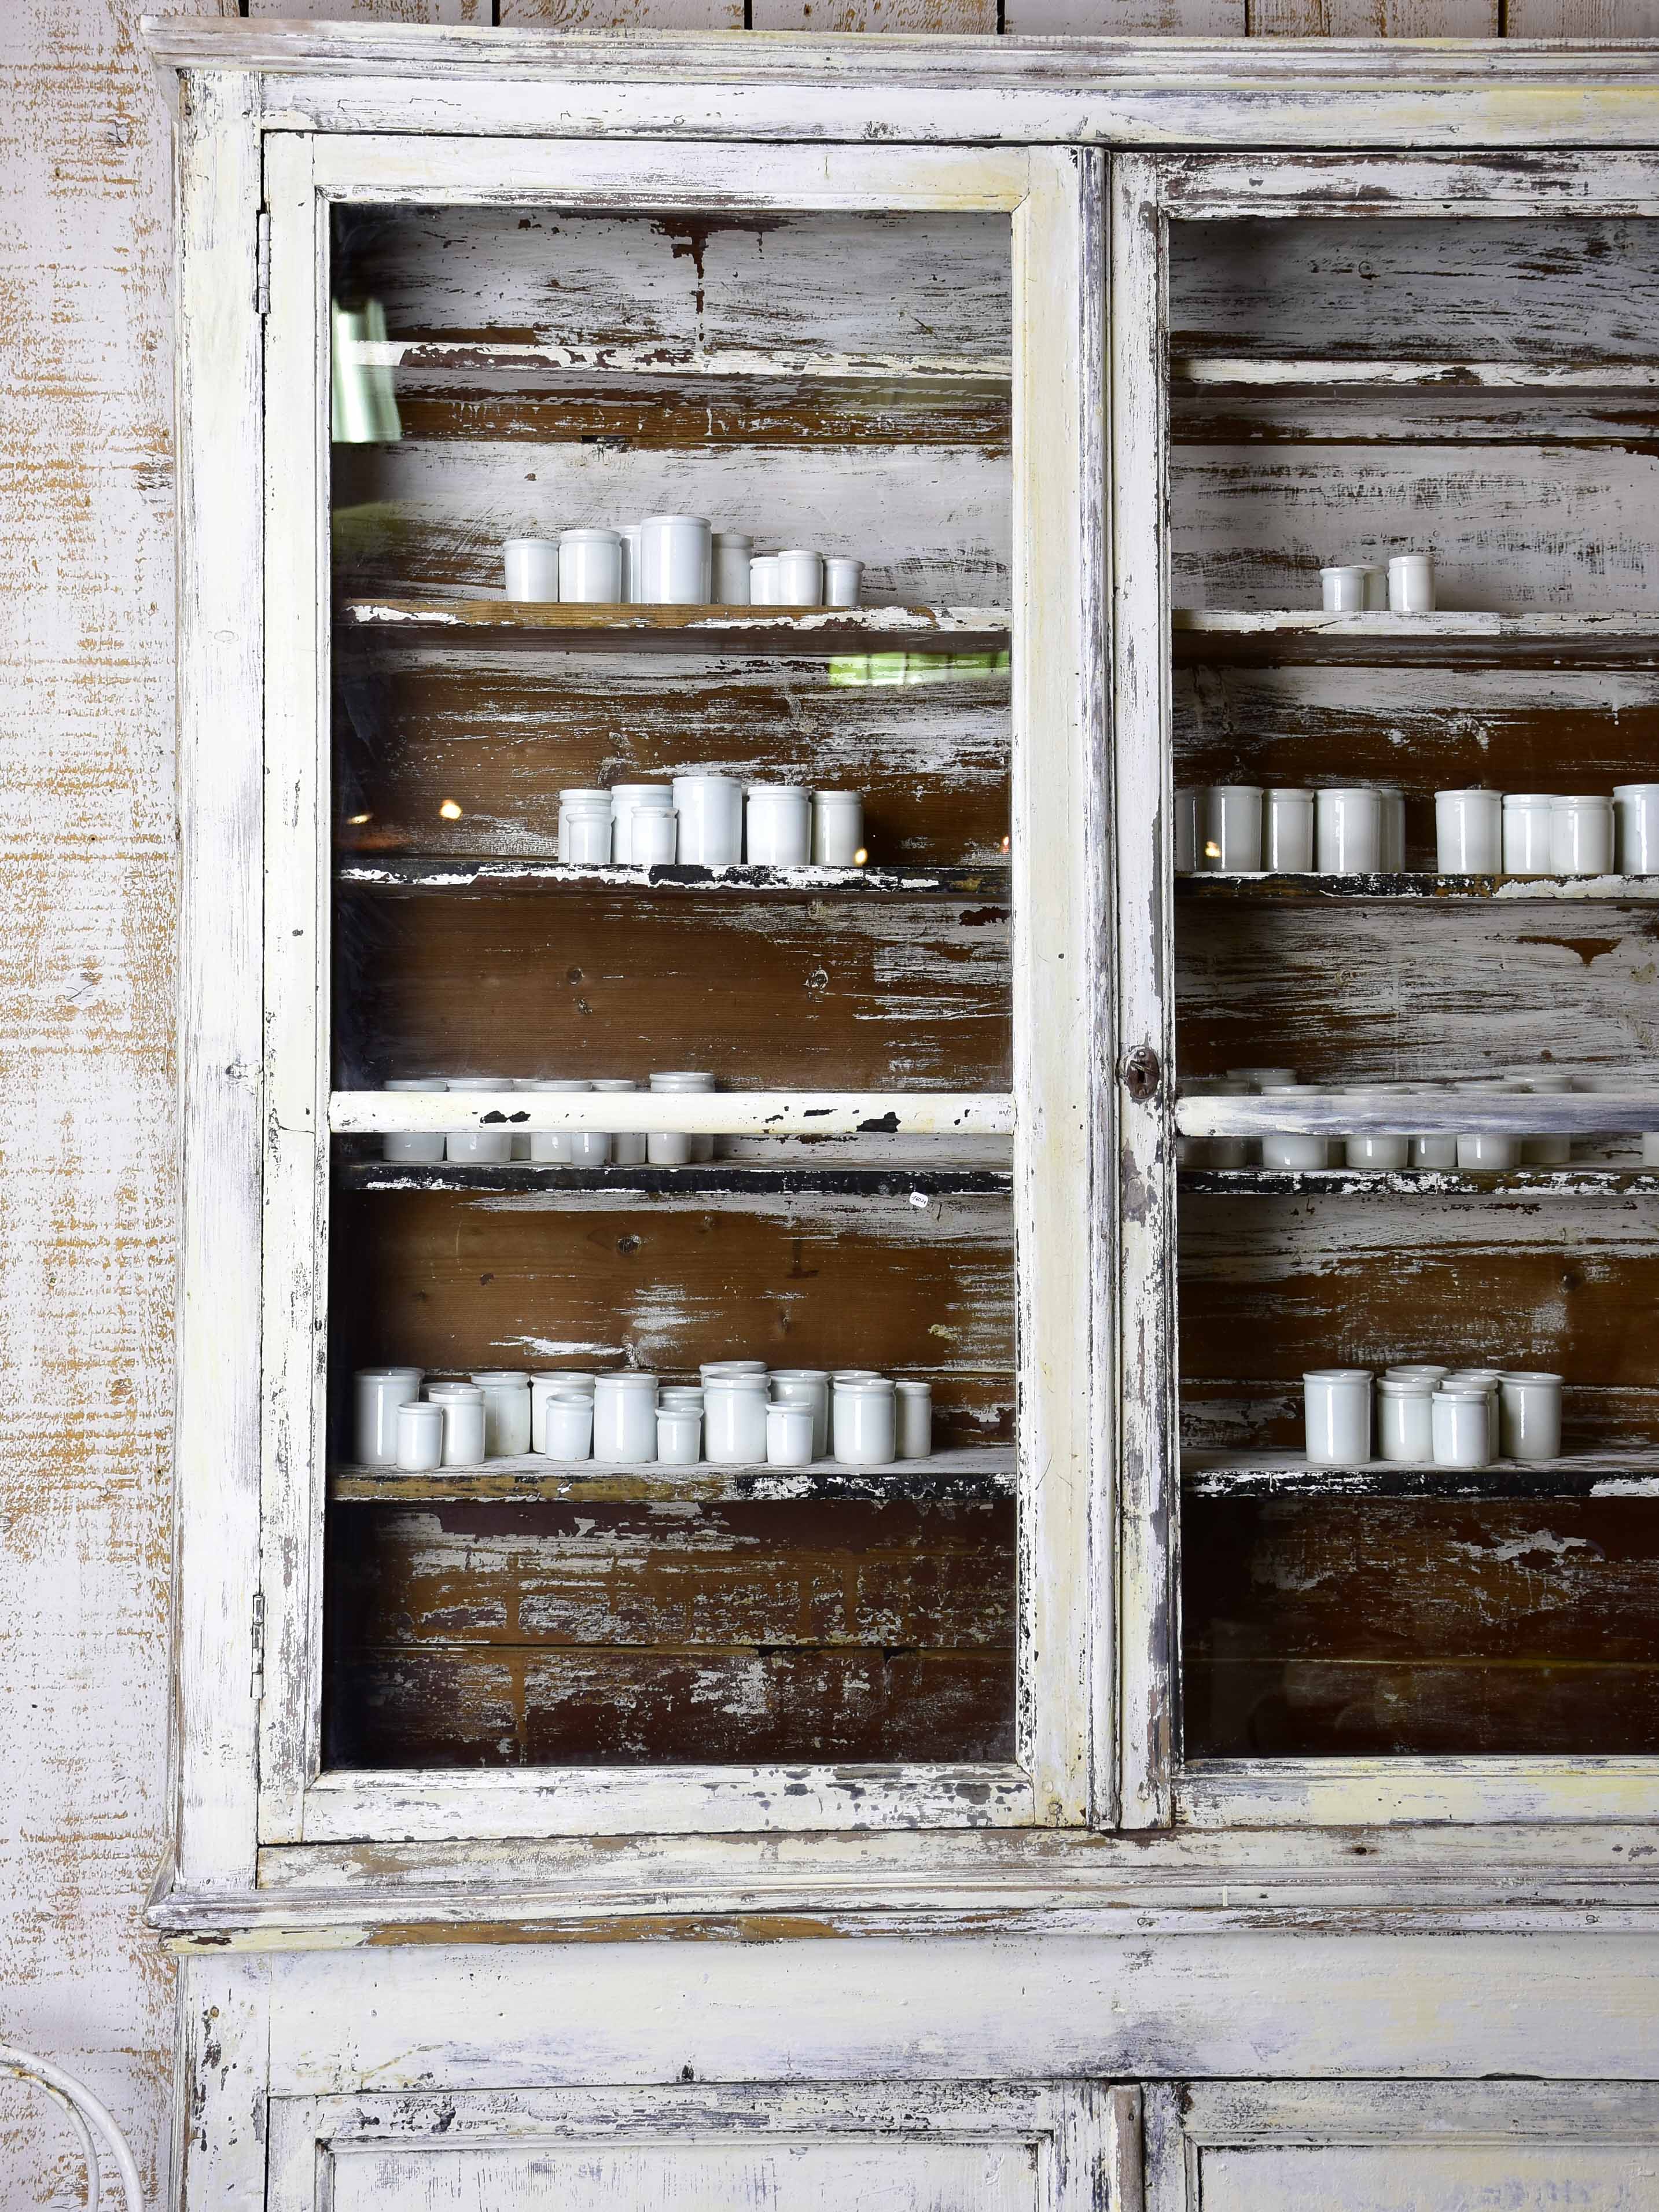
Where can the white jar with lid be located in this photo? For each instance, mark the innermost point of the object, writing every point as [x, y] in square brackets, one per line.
[838, 829]
[420, 1436]
[778, 825]
[624, 1418]
[734, 1420]
[591, 567]
[1581, 838]
[864, 1417]
[627, 802]
[1636, 829]
[675, 560]
[628, 1148]
[731, 552]
[411, 1147]
[506, 1410]
[1337, 1414]
[479, 1147]
[376, 1395]
[1528, 833]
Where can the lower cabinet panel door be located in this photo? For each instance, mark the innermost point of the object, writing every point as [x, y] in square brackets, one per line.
[767, 2147]
[1403, 2146]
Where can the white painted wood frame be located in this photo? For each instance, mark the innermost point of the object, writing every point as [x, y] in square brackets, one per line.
[1055, 200]
[1149, 193]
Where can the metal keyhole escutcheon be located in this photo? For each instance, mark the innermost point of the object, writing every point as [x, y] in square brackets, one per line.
[1142, 1075]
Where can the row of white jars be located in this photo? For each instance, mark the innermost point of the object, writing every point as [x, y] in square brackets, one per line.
[1406, 587]
[740, 1413]
[674, 560]
[1233, 827]
[710, 821]
[582, 1148]
[1293, 1151]
[1429, 1415]
[1540, 833]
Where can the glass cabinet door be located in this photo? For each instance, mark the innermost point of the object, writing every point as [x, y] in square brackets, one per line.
[680, 951]
[1394, 709]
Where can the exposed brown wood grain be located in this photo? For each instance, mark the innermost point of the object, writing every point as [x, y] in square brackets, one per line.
[668, 415]
[1374, 19]
[620, 15]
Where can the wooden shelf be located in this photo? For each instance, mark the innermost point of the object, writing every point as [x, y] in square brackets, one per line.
[726, 1179]
[566, 368]
[1256, 887]
[1263, 372]
[1279, 637]
[1587, 1182]
[970, 1474]
[945, 1114]
[459, 874]
[1288, 1475]
[1423, 1113]
[685, 629]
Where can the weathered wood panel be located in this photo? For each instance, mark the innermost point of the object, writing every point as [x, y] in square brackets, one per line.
[765, 994]
[961, 17]
[1124, 19]
[1581, 18]
[377, 11]
[1374, 19]
[620, 15]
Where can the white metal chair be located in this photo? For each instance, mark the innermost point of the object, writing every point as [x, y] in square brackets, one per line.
[85, 2114]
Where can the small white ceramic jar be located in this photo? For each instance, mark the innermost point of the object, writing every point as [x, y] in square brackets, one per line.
[557, 1383]
[1424, 1371]
[656, 837]
[1543, 1152]
[729, 553]
[1529, 1416]
[1485, 1379]
[1375, 1150]
[628, 1148]
[1287, 832]
[1348, 830]
[630, 534]
[800, 578]
[843, 581]
[1342, 589]
[763, 581]
[1186, 832]
[1229, 829]
[465, 1428]
[681, 1398]
[1528, 833]
[1411, 584]
[1469, 830]
[864, 1420]
[914, 1419]
[778, 830]
[1483, 1153]
[714, 1369]
[572, 802]
[1391, 802]
[420, 1436]
[788, 1436]
[837, 830]
[567, 1426]
[1405, 1420]
[624, 1418]
[1636, 829]
[675, 552]
[1460, 1419]
[1287, 1151]
[629, 804]
[1261, 1079]
[554, 1146]
[673, 1148]
[479, 1147]
[734, 1408]
[586, 834]
[1439, 1150]
[808, 1386]
[1376, 586]
[532, 569]
[376, 1395]
[1337, 1411]
[679, 1428]
[506, 1410]
[1581, 836]
[591, 567]
[710, 810]
[414, 1146]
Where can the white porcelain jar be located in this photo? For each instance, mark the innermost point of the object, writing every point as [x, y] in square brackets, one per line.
[420, 1436]
[1411, 584]
[1484, 1379]
[800, 578]
[1287, 832]
[1468, 831]
[1488, 1153]
[591, 567]
[628, 801]
[1291, 1152]
[730, 553]
[1215, 1151]
[675, 560]
[1375, 1151]
[1229, 829]
[465, 1429]
[585, 836]
[1543, 1152]
[837, 829]
[1636, 829]
[631, 580]
[717, 1370]
[574, 802]
[1528, 833]
[676, 1148]
[779, 827]
[863, 1417]
[679, 1428]
[1529, 1415]
[479, 1147]
[763, 581]
[567, 1426]
[710, 810]
[1348, 830]
[1342, 589]
[734, 1409]
[557, 1383]
[553, 1146]
[414, 1146]
[1391, 802]
[788, 1436]
[1377, 586]
[1337, 1414]
[1186, 832]
[1581, 839]
[376, 1395]
[655, 837]
[1426, 1370]
[532, 569]
[507, 1411]
[1460, 1422]
[628, 1148]
[1439, 1150]
[914, 1419]
[808, 1386]
[843, 581]
[1405, 1420]
[624, 1418]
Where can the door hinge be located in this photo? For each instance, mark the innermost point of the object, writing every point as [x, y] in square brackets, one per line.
[262, 266]
[258, 1644]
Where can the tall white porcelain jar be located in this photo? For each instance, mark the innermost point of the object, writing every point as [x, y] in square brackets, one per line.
[1460, 1420]
[837, 829]
[914, 1412]
[413, 1146]
[843, 581]
[553, 1146]
[376, 1395]
[763, 580]
[1230, 828]
[465, 1429]
[731, 554]
[1468, 829]
[1529, 1415]
[778, 825]
[710, 810]
[559, 1382]
[1528, 833]
[627, 802]
[734, 1420]
[591, 567]
[675, 561]
[1411, 584]
[506, 1410]
[864, 1421]
[1636, 829]
[1348, 830]
[800, 579]
[1337, 1411]
[532, 569]
[624, 1418]
[1581, 836]
[1405, 1420]
[1287, 832]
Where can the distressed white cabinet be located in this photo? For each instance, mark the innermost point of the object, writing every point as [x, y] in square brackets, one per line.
[1031, 1824]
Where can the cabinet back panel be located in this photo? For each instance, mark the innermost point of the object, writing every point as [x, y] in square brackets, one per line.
[500, 734]
[1333, 1628]
[1468, 288]
[763, 993]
